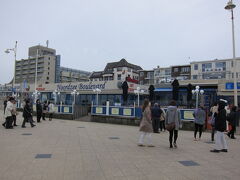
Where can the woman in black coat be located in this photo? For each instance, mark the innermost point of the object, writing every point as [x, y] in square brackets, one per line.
[27, 114]
[220, 127]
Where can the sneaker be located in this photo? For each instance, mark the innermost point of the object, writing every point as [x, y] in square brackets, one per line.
[224, 150]
[3, 124]
[233, 138]
[215, 151]
[228, 135]
[15, 125]
[175, 145]
[171, 146]
[141, 145]
[23, 126]
[33, 125]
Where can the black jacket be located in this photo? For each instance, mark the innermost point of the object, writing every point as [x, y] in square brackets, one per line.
[156, 112]
[232, 118]
[27, 111]
[39, 109]
[220, 120]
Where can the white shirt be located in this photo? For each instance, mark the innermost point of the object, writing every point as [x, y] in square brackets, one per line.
[9, 108]
[51, 108]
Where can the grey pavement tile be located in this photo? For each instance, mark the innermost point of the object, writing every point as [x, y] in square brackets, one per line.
[189, 163]
[43, 156]
[26, 134]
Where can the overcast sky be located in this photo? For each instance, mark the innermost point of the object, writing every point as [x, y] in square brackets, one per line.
[90, 33]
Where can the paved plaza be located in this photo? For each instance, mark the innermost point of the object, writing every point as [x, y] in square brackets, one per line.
[76, 150]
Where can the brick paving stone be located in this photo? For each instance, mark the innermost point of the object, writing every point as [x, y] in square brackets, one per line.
[88, 154]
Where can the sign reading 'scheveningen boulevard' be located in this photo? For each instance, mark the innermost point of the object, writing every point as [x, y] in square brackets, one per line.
[81, 86]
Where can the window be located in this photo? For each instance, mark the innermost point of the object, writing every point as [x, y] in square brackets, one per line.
[206, 67]
[141, 74]
[119, 69]
[194, 76]
[232, 63]
[175, 70]
[49, 58]
[48, 73]
[47, 78]
[48, 63]
[48, 68]
[220, 66]
[195, 66]
[185, 69]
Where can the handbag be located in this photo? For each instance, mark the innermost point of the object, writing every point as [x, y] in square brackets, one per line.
[170, 126]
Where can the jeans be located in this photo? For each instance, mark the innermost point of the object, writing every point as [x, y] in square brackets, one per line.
[171, 134]
[198, 127]
[162, 125]
[155, 123]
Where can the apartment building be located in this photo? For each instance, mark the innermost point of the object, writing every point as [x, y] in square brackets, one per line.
[182, 72]
[117, 71]
[146, 77]
[41, 59]
[215, 69]
[162, 75]
[48, 67]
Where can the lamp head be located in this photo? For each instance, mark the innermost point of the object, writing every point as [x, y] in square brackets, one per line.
[197, 87]
[201, 91]
[138, 88]
[230, 6]
[7, 51]
[193, 91]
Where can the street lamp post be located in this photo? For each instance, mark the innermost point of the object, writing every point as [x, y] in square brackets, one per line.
[74, 92]
[56, 93]
[15, 58]
[97, 91]
[138, 91]
[198, 92]
[35, 84]
[230, 6]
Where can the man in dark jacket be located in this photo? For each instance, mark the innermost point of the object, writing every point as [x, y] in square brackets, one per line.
[232, 119]
[27, 114]
[156, 113]
[220, 127]
[39, 110]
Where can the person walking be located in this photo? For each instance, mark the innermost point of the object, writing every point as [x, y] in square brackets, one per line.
[146, 125]
[51, 110]
[14, 113]
[232, 119]
[220, 127]
[213, 110]
[156, 114]
[162, 120]
[39, 110]
[5, 103]
[27, 114]
[45, 108]
[199, 120]
[173, 123]
[8, 114]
